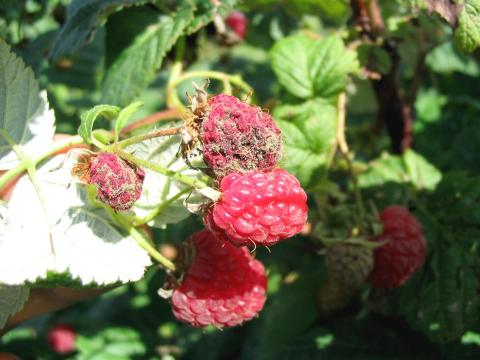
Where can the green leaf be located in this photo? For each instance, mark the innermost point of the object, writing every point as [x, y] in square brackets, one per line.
[308, 132]
[125, 114]
[136, 66]
[410, 168]
[82, 18]
[12, 300]
[25, 117]
[310, 68]
[442, 299]
[445, 59]
[64, 233]
[89, 117]
[205, 11]
[467, 34]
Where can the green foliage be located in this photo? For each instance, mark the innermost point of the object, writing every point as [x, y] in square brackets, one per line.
[309, 68]
[82, 19]
[89, 117]
[136, 66]
[467, 35]
[309, 131]
[439, 300]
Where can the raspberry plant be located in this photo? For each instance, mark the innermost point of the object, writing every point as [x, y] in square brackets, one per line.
[240, 180]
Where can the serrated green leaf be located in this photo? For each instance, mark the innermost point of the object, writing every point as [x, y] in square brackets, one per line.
[125, 114]
[136, 66]
[25, 117]
[308, 132]
[204, 13]
[310, 68]
[441, 299]
[63, 233]
[467, 34]
[89, 117]
[82, 18]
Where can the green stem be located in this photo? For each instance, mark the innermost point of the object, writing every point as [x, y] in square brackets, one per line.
[173, 101]
[155, 212]
[143, 242]
[187, 180]
[20, 168]
[150, 135]
[210, 74]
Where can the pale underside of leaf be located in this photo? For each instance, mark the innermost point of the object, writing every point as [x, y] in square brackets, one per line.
[73, 236]
[25, 116]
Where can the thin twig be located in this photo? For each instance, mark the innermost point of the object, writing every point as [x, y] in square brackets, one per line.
[168, 114]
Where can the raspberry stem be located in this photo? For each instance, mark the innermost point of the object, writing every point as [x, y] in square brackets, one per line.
[168, 114]
[150, 135]
[142, 241]
[187, 180]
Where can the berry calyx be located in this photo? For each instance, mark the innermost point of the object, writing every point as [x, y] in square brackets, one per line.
[224, 286]
[119, 183]
[403, 252]
[61, 339]
[238, 22]
[259, 208]
[349, 264]
[238, 137]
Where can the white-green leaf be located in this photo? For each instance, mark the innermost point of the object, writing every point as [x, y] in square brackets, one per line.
[25, 117]
[125, 115]
[64, 234]
[467, 34]
[161, 193]
[308, 133]
[89, 117]
[310, 68]
[136, 66]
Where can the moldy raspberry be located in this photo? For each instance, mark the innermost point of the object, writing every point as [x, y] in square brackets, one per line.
[259, 208]
[118, 182]
[403, 252]
[238, 137]
[223, 286]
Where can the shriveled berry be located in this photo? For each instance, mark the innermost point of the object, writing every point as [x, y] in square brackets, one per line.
[61, 339]
[238, 137]
[119, 183]
[403, 252]
[224, 286]
[238, 22]
[258, 208]
[332, 297]
[349, 264]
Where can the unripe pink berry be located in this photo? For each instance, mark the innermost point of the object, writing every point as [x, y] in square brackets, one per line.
[238, 22]
[61, 339]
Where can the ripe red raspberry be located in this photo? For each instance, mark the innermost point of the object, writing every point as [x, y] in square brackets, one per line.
[224, 285]
[238, 137]
[403, 252]
[259, 208]
[61, 339]
[238, 22]
[119, 183]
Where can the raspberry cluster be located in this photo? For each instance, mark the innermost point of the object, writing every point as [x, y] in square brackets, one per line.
[260, 204]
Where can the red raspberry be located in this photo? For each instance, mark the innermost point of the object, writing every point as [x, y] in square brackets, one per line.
[238, 137]
[119, 183]
[259, 208]
[61, 339]
[238, 22]
[403, 252]
[224, 285]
